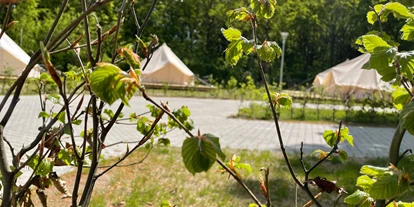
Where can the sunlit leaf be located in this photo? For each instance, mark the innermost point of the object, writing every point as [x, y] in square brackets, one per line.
[263, 8]
[64, 156]
[407, 116]
[399, 10]
[406, 61]
[231, 34]
[374, 171]
[268, 51]
[371, 17]
[164, 141]
[407, 31]
[241, 14]
[356, 198]
[343, 155]
[330, 137]
[386, 187]
[400, 97]
[365, 182]
[43, 168]
[106, 83]
[234, 52]
[43, 114]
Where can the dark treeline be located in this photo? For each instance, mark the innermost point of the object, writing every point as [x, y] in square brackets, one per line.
[321, 33]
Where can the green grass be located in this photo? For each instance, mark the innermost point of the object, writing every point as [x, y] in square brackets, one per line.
[162, 176]
[263, 112]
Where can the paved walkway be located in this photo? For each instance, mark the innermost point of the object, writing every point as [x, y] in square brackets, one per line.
[211, 116]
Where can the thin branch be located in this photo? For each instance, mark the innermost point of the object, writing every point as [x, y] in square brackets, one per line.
[405, 152]
[239, 181]
[144, 24]
[88, 35]
[120, 17]
[6, 173]
[276, 122]
[333, 150]
[55, 22]
[143, 140]
[6, 19]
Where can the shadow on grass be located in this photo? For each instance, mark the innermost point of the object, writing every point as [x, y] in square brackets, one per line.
[282, 193]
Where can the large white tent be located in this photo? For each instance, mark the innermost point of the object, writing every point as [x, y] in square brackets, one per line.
[349, 79]
[166, 67]
[14, 59]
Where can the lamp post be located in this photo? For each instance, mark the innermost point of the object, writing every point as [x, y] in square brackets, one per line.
[284, 37]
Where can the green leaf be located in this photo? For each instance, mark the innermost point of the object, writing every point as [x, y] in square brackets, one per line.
[382, 57]
[43, 114]
[406, 60]
[61, 117]
[343, 155]
[231, 34]
[400, 98]
[216, 144]
[346, 137]
[399, 10]
[356, 197]
[407, 31]
[268, 51]
[241, 14]
[198, 155]
[106, 83]
[77, 122]
[330, 137]
[407, 163]
[244, 166]
[247, 46]
[407, 117]
[143, 125]
[388, 73]
[234, 52]
[166, 204]
[373, 42]
[131, 58]
[385, 187]
[374, 171]
[263, 8]
[284, 100]
[164, 141]
[64, 156]
[371, 17]
[44, 168]
[54, 98]
[365, 182]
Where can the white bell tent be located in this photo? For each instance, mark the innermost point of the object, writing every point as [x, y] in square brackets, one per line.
[13, 59]
[349, 79]
[166, 68]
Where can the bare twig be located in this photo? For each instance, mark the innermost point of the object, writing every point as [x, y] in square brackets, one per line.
[120, 17]
[239, 181]
[6, 173]
[6, 19]
[88, 35]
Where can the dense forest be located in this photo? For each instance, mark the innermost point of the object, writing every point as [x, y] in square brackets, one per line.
[321, 33]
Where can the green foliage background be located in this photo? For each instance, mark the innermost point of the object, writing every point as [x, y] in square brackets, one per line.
[322, 33]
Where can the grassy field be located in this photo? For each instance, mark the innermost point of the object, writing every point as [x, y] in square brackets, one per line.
[263, 112]
[163, 177]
